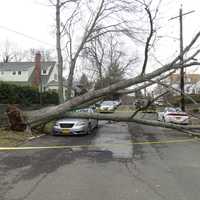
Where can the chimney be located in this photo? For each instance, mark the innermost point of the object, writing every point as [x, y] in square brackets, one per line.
[37, 71]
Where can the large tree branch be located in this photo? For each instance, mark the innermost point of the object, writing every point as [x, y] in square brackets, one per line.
[175, 89]
[145, 85]
[149, 103]
[55, 111]
[186, 49]
[126, 118]
[148, 41]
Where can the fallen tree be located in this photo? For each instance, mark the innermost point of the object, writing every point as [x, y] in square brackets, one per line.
[128, 118]
[38, 118]
[42, 116]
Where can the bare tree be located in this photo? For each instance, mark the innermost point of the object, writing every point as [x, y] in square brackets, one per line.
[59, 5]
[10, 53]
[94, 27]
[108, 60]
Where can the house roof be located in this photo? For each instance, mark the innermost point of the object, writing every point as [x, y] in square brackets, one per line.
[23, 66]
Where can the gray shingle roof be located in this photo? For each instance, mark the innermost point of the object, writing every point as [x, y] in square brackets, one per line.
[23, 66]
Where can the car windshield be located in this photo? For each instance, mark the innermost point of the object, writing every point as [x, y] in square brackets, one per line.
[171, 110]
[178, 110]
[107, 103]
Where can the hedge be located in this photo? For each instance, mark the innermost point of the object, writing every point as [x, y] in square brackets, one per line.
[25, 95]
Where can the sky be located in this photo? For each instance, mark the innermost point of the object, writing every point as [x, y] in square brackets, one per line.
[29, 17]
[34, 18]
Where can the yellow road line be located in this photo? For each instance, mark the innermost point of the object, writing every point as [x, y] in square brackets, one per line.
[96, 145]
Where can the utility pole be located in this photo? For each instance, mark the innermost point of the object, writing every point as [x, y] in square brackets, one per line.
[182, 75]
[182, 81]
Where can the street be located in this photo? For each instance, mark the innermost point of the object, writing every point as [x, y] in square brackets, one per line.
[118, 161]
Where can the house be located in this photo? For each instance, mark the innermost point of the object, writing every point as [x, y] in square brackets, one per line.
[40, 74]
[191, 84]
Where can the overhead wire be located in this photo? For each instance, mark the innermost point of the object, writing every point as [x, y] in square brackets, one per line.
[26, 35]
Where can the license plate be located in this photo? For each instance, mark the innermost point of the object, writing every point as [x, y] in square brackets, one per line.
[65, 131]
[178, 117]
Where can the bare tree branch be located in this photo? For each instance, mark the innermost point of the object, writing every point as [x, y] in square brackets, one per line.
[177, 90]
[148, 40]
[145, 85]
[127, 118]
[149, 103]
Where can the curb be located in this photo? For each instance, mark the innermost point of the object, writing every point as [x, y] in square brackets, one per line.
[35, 137]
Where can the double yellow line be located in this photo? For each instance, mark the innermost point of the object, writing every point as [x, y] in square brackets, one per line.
[97, 145]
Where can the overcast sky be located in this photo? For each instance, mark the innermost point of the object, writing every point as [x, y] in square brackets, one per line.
[32, 18]
[28, 17]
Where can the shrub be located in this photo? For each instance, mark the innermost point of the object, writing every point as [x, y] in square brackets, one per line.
[195, 110]
[25, 95]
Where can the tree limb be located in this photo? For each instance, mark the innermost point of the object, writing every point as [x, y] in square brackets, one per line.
[150, 102]
[177, 90]
[148, 40]
[126, 118]
[145, 85]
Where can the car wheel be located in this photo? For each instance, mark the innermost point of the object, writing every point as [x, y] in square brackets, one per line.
[89, 130]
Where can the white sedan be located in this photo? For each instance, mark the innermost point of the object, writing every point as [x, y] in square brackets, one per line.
[173, 115]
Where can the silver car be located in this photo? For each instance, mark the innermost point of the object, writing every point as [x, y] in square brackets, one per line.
[71, 126]
[107, 107]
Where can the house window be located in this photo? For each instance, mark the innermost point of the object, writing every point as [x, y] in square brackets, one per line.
[14, 73]
[44, 71]
[19, 72]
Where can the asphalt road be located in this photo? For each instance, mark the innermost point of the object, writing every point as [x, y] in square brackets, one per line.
[117, 162]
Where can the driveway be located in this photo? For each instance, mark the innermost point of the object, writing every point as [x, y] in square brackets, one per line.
[118, 161]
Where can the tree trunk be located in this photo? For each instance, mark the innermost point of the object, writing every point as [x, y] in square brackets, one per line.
[59, 54]
[70, 79]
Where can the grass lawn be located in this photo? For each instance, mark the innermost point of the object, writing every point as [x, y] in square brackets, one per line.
[10, 138]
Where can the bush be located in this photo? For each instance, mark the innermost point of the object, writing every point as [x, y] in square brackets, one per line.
[195, 110]
[25, 95]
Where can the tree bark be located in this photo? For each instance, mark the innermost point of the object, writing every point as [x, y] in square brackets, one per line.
[127, 118]
[59, 54]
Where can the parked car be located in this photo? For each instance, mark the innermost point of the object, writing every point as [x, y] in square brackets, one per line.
[72, 126]
[173, 115]
[117, 103]
[107, 107]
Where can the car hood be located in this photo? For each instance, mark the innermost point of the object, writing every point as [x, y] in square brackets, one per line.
[70, 120]
[106, 106]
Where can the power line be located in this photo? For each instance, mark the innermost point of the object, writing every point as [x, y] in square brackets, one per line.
[25, 35]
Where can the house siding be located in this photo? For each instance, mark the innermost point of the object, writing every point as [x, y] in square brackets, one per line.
[9, 77]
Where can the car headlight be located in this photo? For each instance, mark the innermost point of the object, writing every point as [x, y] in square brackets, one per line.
[81, 123]
[57, 125]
